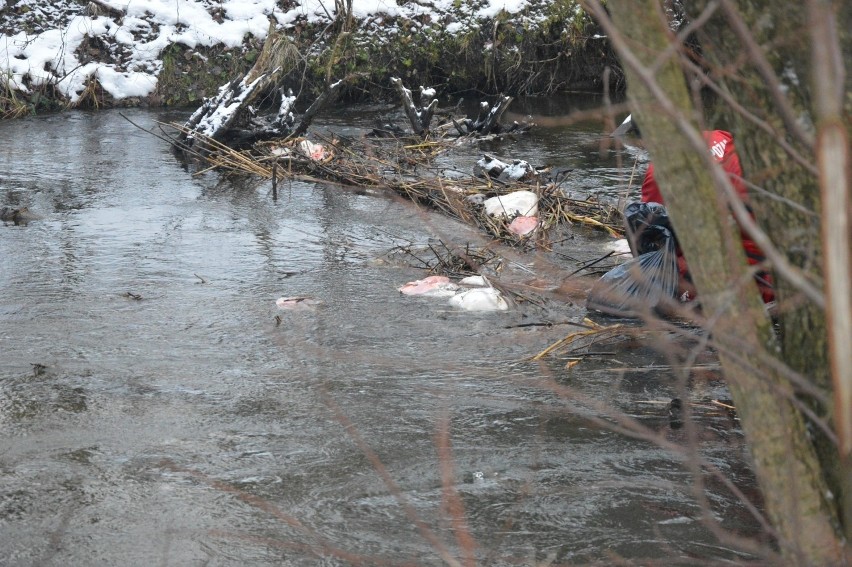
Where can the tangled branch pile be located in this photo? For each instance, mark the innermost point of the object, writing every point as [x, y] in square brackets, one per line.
[405, 166]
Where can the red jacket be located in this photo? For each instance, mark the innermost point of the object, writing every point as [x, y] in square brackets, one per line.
[721, 145]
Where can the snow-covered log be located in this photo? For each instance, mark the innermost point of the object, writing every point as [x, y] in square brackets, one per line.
[229, 117]
[231, 107]
[218, 115]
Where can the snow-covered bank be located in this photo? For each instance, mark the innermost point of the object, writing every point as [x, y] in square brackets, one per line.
[123, 45]
[134, 35]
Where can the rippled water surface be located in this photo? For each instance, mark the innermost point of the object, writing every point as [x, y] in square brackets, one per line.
[157, 408]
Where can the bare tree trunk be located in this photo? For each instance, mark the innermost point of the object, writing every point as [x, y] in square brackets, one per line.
[780, 89]
[834, 166]
[773, 87]
[696, 192]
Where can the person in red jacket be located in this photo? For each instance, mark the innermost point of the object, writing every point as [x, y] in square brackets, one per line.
[721, 145]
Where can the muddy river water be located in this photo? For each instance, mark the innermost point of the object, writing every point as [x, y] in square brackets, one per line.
[157, 408]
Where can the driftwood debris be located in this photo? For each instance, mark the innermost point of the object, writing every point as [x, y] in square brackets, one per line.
[257, 131]
[229, 117]
[488, 121]
[231, 106]
[419, 117]
[217, 115]
[284, 124]
[327, 97]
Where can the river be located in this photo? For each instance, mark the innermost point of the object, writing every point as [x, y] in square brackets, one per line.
[157, 408]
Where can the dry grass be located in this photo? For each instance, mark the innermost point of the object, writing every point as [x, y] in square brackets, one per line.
[593, 334]
[10, 105]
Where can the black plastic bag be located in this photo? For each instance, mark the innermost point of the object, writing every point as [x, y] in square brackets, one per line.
[643, 283]
[644, 224]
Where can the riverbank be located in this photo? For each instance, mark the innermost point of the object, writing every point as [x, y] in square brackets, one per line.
[107, 53]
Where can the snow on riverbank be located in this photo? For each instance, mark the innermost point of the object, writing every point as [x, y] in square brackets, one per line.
[43, 44]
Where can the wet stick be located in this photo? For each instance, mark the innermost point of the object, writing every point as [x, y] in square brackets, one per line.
[275, 180]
